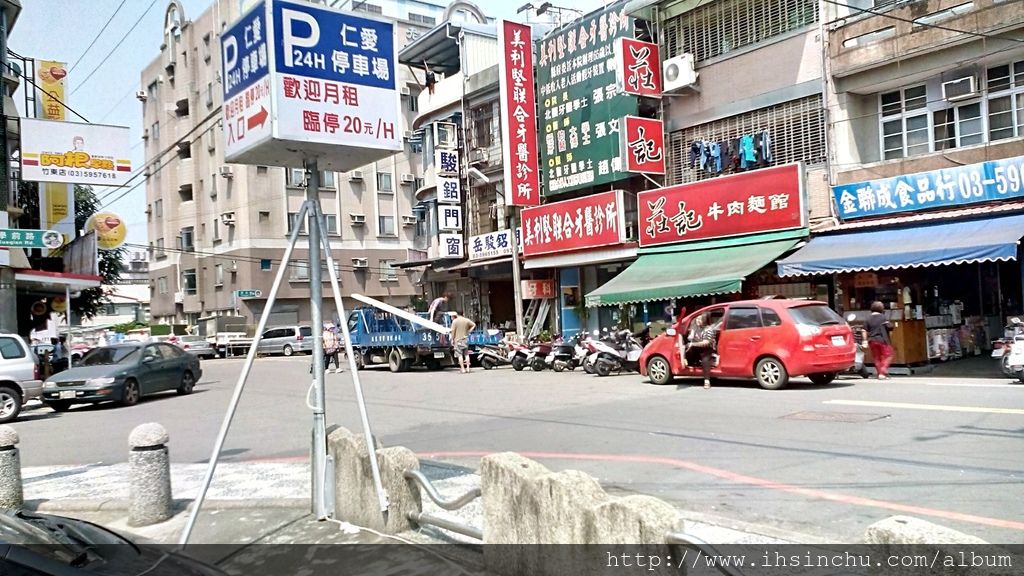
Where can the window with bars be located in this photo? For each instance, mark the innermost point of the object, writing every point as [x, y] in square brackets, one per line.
[720, 27]
[797, 129]
[913, 124]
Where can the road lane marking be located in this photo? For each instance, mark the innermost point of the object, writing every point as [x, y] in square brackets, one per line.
[937, 407]
[965, 385]
[753, 481]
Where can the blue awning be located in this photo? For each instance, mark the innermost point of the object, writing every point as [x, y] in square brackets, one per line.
[988, 240]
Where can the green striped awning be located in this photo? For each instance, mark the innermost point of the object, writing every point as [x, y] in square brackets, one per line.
[703, 269]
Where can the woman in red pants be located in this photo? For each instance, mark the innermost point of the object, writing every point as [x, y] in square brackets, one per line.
[876, 333]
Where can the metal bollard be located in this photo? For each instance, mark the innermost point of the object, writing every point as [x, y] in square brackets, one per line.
[11, 494]
[150, 469]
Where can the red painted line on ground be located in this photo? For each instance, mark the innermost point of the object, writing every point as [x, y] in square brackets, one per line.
[754, 481]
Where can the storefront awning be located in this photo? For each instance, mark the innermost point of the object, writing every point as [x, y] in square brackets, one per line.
[474, 263]
[701, 270]
[986, 240]
[55, 283]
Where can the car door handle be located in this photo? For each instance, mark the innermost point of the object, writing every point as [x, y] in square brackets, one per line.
[754, 338]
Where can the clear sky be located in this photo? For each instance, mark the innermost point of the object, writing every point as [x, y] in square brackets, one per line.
[62, 30]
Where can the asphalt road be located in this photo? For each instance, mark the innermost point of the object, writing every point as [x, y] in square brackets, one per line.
[826, 461]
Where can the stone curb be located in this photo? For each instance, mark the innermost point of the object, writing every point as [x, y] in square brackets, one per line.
[121, 505]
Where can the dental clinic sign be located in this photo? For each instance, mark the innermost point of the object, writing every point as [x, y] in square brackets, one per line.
[301, 81]
[946, 188]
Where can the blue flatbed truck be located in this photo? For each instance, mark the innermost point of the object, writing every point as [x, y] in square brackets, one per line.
[380, 337]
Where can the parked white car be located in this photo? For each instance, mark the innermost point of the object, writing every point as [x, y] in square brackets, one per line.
[19, 376]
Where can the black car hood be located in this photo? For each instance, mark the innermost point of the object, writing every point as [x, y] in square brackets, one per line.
[79, 547]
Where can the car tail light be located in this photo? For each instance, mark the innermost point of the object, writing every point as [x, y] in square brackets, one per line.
[299, 337]
[37, 374]
[185, 346]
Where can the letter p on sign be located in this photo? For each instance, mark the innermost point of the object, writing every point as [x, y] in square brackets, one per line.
[294, 34]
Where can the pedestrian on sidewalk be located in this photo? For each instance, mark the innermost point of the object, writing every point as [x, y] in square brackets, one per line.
[876, 333]
[461, 327]
[331, 350]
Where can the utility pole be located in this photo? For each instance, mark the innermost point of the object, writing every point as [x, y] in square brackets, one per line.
[517, 277]
[8, 287]
[319, 459]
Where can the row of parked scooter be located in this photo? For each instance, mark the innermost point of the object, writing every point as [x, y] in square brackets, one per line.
[601, 352]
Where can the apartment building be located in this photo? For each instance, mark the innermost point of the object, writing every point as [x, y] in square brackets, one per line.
[217, 228]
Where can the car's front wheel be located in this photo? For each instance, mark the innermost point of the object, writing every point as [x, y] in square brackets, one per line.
[188, 383]
[771, 373]
[658, 371]
[10, 404]
[131, 394]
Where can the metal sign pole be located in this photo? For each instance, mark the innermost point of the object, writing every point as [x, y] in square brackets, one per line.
[218, 445]
[318, 462]
[371, 448]
[517, 284]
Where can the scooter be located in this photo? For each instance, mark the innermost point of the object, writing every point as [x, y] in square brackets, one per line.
[858, 368]
[563, 354]
[1001, 348]
[538, 355]
[491, 356]
[626, 359]
[583, 349]
[1015, 358]
[519, 356]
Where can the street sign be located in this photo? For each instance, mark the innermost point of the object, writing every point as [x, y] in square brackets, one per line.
[304, 81]
[18, 238]
[248, 293]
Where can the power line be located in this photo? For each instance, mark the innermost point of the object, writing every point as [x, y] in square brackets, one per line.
[118, 103]
[922, 24]
[104, 60]
[97, 37]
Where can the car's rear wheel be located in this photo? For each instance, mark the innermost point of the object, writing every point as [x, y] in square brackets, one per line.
[395, 362]
[822, 379]
[10, 404]
[287, 350]
[658, 371]
[771, 373]
[59, 406]
[188, 383]
[130, 395]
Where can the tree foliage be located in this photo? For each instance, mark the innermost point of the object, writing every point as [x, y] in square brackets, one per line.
[111, 262]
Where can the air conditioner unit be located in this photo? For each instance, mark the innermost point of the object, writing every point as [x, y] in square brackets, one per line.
[226, 171]
[228, 218]
[360, 263]
[408, 178]
[446, 135]
[145, 134]
[478, 155]
[408, 220]
[233, 266]
[406, 91]
[179, 297]
[960, 89]
[678, 72]
[141, 96]
[355, 175]
[407, 135]
[358, 219]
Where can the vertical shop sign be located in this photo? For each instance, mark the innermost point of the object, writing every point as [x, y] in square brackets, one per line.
[450, 246]
[56, 201]
[643, 145]
[638, 69]
[581, 104]
[518, 114]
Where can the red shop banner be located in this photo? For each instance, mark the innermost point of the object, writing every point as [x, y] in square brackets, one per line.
[759, 201]
[578, 224]
[643, 145]
[518, 111]
[639, 67]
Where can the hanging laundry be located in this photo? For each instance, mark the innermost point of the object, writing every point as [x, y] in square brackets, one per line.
[747, 154]
[766, 145]
[716, 156]
[694, 153]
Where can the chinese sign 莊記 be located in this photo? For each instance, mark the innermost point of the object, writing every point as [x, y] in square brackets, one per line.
[639, 68]
[588, 222]
[760, 201]
[518, 114]
[643, 145]
[581, 103]
[983, 182]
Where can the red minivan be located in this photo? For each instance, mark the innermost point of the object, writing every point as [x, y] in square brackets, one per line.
[770, 340]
